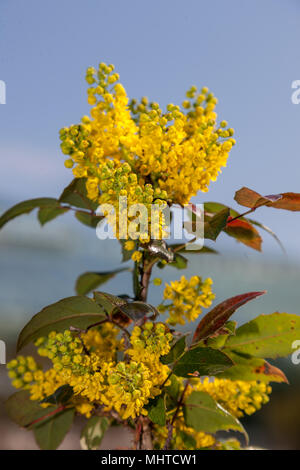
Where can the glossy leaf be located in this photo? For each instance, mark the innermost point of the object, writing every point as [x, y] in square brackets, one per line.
[108, 302]
[93, 433]
[89, 281]
[138, 310]
[250, 368]
[90, 220]
[249, 198]
[45, 214]
[24, 411]
[267, 336]
[203, 413]
[202, 361]
[173, 389]
[61, 395]
[75, 194]
[76, 311]
[182, 248]
[50, 433]
[216, 224]
[211, 208]
[244, 232]
[25, 207]
[217, 317]
[157, 410]
[175, 352]
[180, 262]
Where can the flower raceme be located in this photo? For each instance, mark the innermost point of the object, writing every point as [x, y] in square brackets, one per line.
[89, 365]
[187, 298]
[236, 396]
[134, 149]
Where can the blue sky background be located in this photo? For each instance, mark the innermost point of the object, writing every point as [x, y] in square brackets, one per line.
[246, 52]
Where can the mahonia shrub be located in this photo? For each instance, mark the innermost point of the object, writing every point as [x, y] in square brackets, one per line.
[118, 360]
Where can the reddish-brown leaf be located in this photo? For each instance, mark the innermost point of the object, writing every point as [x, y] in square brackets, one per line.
[216, 318]
[249, 198]
[269, 369]
[244, 232]
[289, 201]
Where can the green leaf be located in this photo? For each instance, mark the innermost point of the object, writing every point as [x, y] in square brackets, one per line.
[267, 336]
[76, 195]
[24, 411]
[250, 368]
[137, 310]
[93, 433]
[61, 395]
[90, 220]
[216, 224]
[180, 262]
[46, 214]
[213, 207]
[203, 413]
[241, 229]
[175, 352]
[244, 232]
[174, 388]
[202, 361]
[89, 281]
[199, 250]
[133, 310]
[217, 317]
[108, 302]
[157, 410]
[50, 433]
[25, 207]
[76, 311]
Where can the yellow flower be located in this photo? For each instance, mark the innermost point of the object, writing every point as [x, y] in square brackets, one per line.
[129, 245]
[187, 298]
[236, 396]
[137, 256]
[136, 149]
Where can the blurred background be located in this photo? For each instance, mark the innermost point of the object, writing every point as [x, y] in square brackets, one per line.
[247, 53]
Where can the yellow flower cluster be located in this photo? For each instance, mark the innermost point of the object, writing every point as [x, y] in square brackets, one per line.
[137, 150]
[236, 396]
[22, 371]
[187, 297]
[89, 365]
[127, 205]
[149, 343]
[104, 342]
